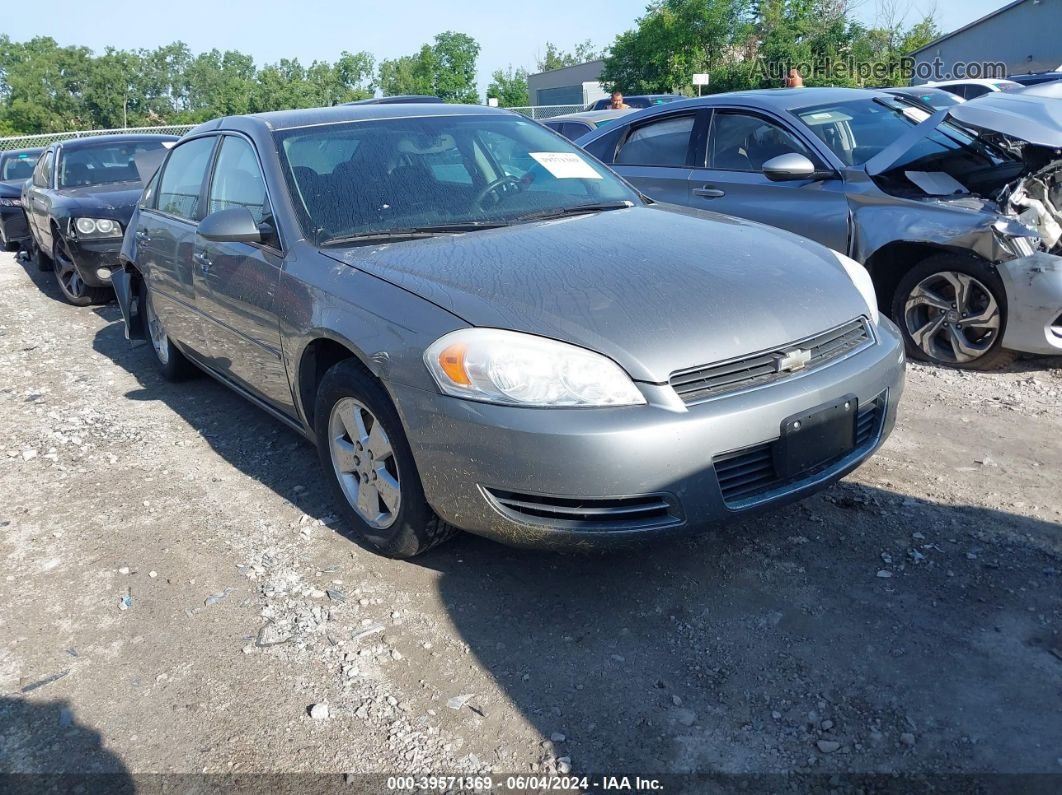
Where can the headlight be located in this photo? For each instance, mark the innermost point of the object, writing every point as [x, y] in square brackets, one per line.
[524, 370]
[97, 227]
[10, 202]
[861, 279]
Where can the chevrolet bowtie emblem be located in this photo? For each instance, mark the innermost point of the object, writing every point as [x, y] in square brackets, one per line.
[793, 360]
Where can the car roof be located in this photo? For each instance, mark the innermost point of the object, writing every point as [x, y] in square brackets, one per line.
[22, 152]
[976, 81]
[396, 99]
[774, 98]
[590, 115]
[307, 117]
[120, 138]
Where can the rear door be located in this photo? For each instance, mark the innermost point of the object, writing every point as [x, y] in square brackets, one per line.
[729, 179]
[165, 239]
[657, 154]
[236, 283]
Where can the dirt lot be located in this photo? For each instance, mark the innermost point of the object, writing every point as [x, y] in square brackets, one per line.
[908, 620]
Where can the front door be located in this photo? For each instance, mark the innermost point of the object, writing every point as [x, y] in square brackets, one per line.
[731, 180]
[236, 283]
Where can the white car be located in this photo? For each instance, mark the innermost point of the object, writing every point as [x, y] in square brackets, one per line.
[968, 89]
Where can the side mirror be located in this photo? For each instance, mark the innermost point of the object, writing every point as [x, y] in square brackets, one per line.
[788, 167]
[234, 225]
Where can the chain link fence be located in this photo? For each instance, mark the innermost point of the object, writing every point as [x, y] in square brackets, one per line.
[35, 141]
[547, 111]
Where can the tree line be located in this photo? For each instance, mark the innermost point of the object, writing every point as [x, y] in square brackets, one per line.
[45, 87]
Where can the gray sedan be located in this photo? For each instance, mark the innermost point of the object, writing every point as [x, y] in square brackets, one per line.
[956, 214]
[482, 328]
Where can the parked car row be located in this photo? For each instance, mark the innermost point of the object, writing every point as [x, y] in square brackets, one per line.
[482, 326]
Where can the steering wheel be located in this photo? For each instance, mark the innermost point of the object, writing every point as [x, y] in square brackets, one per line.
[493, 186]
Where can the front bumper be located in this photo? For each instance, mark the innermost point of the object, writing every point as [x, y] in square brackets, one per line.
[509, 473]
[1034, 303]
[90, 257]
[13, 226]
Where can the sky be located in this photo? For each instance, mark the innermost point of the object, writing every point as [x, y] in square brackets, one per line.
[508, 32]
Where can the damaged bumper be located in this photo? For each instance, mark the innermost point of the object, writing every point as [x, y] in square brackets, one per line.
[1034, 303]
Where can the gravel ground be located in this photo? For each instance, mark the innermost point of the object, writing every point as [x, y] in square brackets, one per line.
[177, 597]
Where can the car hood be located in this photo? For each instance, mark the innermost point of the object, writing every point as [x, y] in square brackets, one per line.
[657, 289]
[115, 201]
[12, 188]
[1033, 119]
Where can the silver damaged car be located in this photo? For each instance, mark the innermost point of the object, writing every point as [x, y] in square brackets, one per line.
[482, 328]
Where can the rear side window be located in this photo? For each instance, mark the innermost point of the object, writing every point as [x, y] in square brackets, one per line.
[660, 143]
[238, 180]
[182, 178]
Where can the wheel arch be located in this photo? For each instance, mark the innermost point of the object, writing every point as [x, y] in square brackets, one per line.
[317, 357]
[890, 263]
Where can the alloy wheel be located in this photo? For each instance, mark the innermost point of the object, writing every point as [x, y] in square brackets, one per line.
[364, 463]
[952, 317]
[156, 332]
[70, 280]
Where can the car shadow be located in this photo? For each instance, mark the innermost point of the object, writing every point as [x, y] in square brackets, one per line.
[741, 649]
[44, 748]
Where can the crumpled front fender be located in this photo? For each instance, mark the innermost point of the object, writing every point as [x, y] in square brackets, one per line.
[124, 282]
[1034, 303]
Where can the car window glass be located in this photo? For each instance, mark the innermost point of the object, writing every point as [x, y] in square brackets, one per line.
[182, 178]
[44, 169]
[744, 142]
[238, 180]
[659, 143]
[18, 168]
[101, 164]
[604, 148]
[408, 173]
[975, 90]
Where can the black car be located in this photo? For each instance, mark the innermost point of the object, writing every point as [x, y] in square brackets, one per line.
[78, 202]
[1035, 78]
[16, 166]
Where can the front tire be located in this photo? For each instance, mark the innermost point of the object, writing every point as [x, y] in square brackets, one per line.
[363, 449]
[173, 364]
[71, 285]
[952, 312]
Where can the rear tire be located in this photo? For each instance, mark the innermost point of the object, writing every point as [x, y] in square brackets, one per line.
[71, 285]
[364, 451]
[173, 364]
[952, 312]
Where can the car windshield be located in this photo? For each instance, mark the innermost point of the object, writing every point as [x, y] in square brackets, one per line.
[858, 130]
[18, 168]
[99, 164]
[392, 175]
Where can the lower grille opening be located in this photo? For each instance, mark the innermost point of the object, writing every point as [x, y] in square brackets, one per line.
[749, 473]
[611, 513]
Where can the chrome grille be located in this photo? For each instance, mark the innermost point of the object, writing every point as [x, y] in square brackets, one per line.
[748, 473]
[702, 383]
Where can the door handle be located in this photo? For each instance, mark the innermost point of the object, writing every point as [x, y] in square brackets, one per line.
[709, 193]
[203, 261]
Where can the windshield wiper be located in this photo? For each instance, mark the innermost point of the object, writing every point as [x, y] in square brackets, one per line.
[579, 209]
[412, 233]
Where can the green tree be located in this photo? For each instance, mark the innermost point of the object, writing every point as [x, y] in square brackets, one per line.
[556, 58]
[445, 68]
[509, 86]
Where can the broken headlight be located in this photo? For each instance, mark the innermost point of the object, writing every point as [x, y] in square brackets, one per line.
[97, 228]
[1019, 239]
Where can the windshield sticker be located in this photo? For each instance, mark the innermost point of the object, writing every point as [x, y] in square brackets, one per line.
[565, 165]
[915, 114]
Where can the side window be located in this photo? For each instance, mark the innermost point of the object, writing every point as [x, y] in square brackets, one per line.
[743, 142]
[604, 148]
[659, 143]
[238, 180]
[182, 178]
[42, 173]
